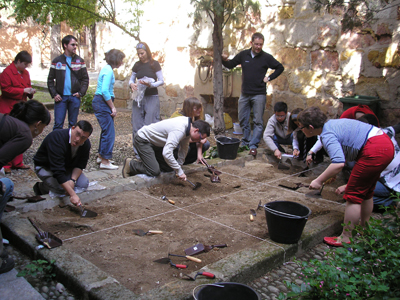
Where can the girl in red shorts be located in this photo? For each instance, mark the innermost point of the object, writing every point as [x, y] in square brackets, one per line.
[350, 140]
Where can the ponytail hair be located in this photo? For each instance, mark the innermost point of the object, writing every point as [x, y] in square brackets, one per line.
[31, 112]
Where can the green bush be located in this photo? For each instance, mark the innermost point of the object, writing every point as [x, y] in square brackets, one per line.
[86, 101]
[367, 268]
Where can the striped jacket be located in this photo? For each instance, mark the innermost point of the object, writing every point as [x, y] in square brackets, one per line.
[55, 80]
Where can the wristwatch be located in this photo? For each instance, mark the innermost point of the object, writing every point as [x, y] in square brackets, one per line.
[309, 153]
[73, 180]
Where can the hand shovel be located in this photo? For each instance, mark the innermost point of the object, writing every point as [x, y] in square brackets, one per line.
[187, 257]
[46, 238]
[316, 194]
[211, 168]
[293, 186]
[195, 186]
[87, 213]
[199, 248]
[166, 199]
[282, 166]
[167, 260]
[207, 274]
[140, 232]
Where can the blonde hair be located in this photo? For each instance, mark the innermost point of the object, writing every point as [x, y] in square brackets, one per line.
[188, 105]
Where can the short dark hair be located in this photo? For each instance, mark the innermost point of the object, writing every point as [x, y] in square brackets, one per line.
[257, 35]
[369, 119]
[85, 126]
[67, 39]
[202, 126]
[30, 112]
[23, 56]
[114, 57]
[280, 106]
[312, 116]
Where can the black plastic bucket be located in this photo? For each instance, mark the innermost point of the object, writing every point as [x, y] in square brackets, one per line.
[226, 291]
[227, 147]
[286, 221]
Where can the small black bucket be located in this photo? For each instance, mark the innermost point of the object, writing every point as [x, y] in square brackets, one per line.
[227, 147]
[286, 221]
[226, 291]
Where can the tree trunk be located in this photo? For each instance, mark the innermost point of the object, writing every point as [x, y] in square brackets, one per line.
[219, 124]
[55, 42]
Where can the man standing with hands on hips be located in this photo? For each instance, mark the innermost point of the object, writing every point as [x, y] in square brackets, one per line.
[255, 64]
[68, 82]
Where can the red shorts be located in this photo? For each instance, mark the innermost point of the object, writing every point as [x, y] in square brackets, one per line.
[373, 158]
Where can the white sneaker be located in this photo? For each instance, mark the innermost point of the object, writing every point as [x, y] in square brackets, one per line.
[108, 167]
[98, 160]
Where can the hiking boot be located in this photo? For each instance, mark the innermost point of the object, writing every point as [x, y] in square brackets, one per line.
[126, 168]
[7, 265]
[36, 189]
[4, 254]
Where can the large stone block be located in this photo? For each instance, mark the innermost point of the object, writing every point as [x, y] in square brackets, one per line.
[328, 34]
[300, 34]
[351, 62]
[352, 40]
[285, 12]
[386, 57]
[292, 58]
[279, 84]
[328, 106]
[325, 60]
[172, 90]
[120, 103]
[307, 83]
[377, 87]
[292, 101]
[332, 85]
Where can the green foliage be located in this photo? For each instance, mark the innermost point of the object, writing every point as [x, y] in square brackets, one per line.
[355, 12]
[368, 268]
[228, 9]
[39, 269]
[77, 13]
[86, 101]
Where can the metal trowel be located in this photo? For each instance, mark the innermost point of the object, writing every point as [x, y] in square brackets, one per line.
[283, 166]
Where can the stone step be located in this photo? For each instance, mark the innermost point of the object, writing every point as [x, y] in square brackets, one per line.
[13, 288]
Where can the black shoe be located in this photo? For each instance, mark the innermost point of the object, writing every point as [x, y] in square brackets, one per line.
[7, 265]
[4, 254]
[36, 189]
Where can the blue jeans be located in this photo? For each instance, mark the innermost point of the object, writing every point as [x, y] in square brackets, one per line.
[6, 190]
[50, 183]
[382, 195]
[246, 103]
[284, 141]
[70, 104]
[103, 114]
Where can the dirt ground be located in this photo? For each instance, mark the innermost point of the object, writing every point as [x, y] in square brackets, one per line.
[216, 213]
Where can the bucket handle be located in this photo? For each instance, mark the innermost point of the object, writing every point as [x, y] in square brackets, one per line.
[212, 284]
[215, 137]
[285, 214]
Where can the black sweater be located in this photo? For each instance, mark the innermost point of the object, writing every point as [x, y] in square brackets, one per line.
[15, 138]
[55, 153]
[254, 70]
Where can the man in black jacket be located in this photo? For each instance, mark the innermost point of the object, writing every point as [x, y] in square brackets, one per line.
[60, 160]
[68, 82]
[255, 64]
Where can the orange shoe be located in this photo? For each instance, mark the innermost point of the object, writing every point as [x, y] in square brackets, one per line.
[332, 241]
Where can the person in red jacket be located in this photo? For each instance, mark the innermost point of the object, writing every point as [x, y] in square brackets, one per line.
[15, 87]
